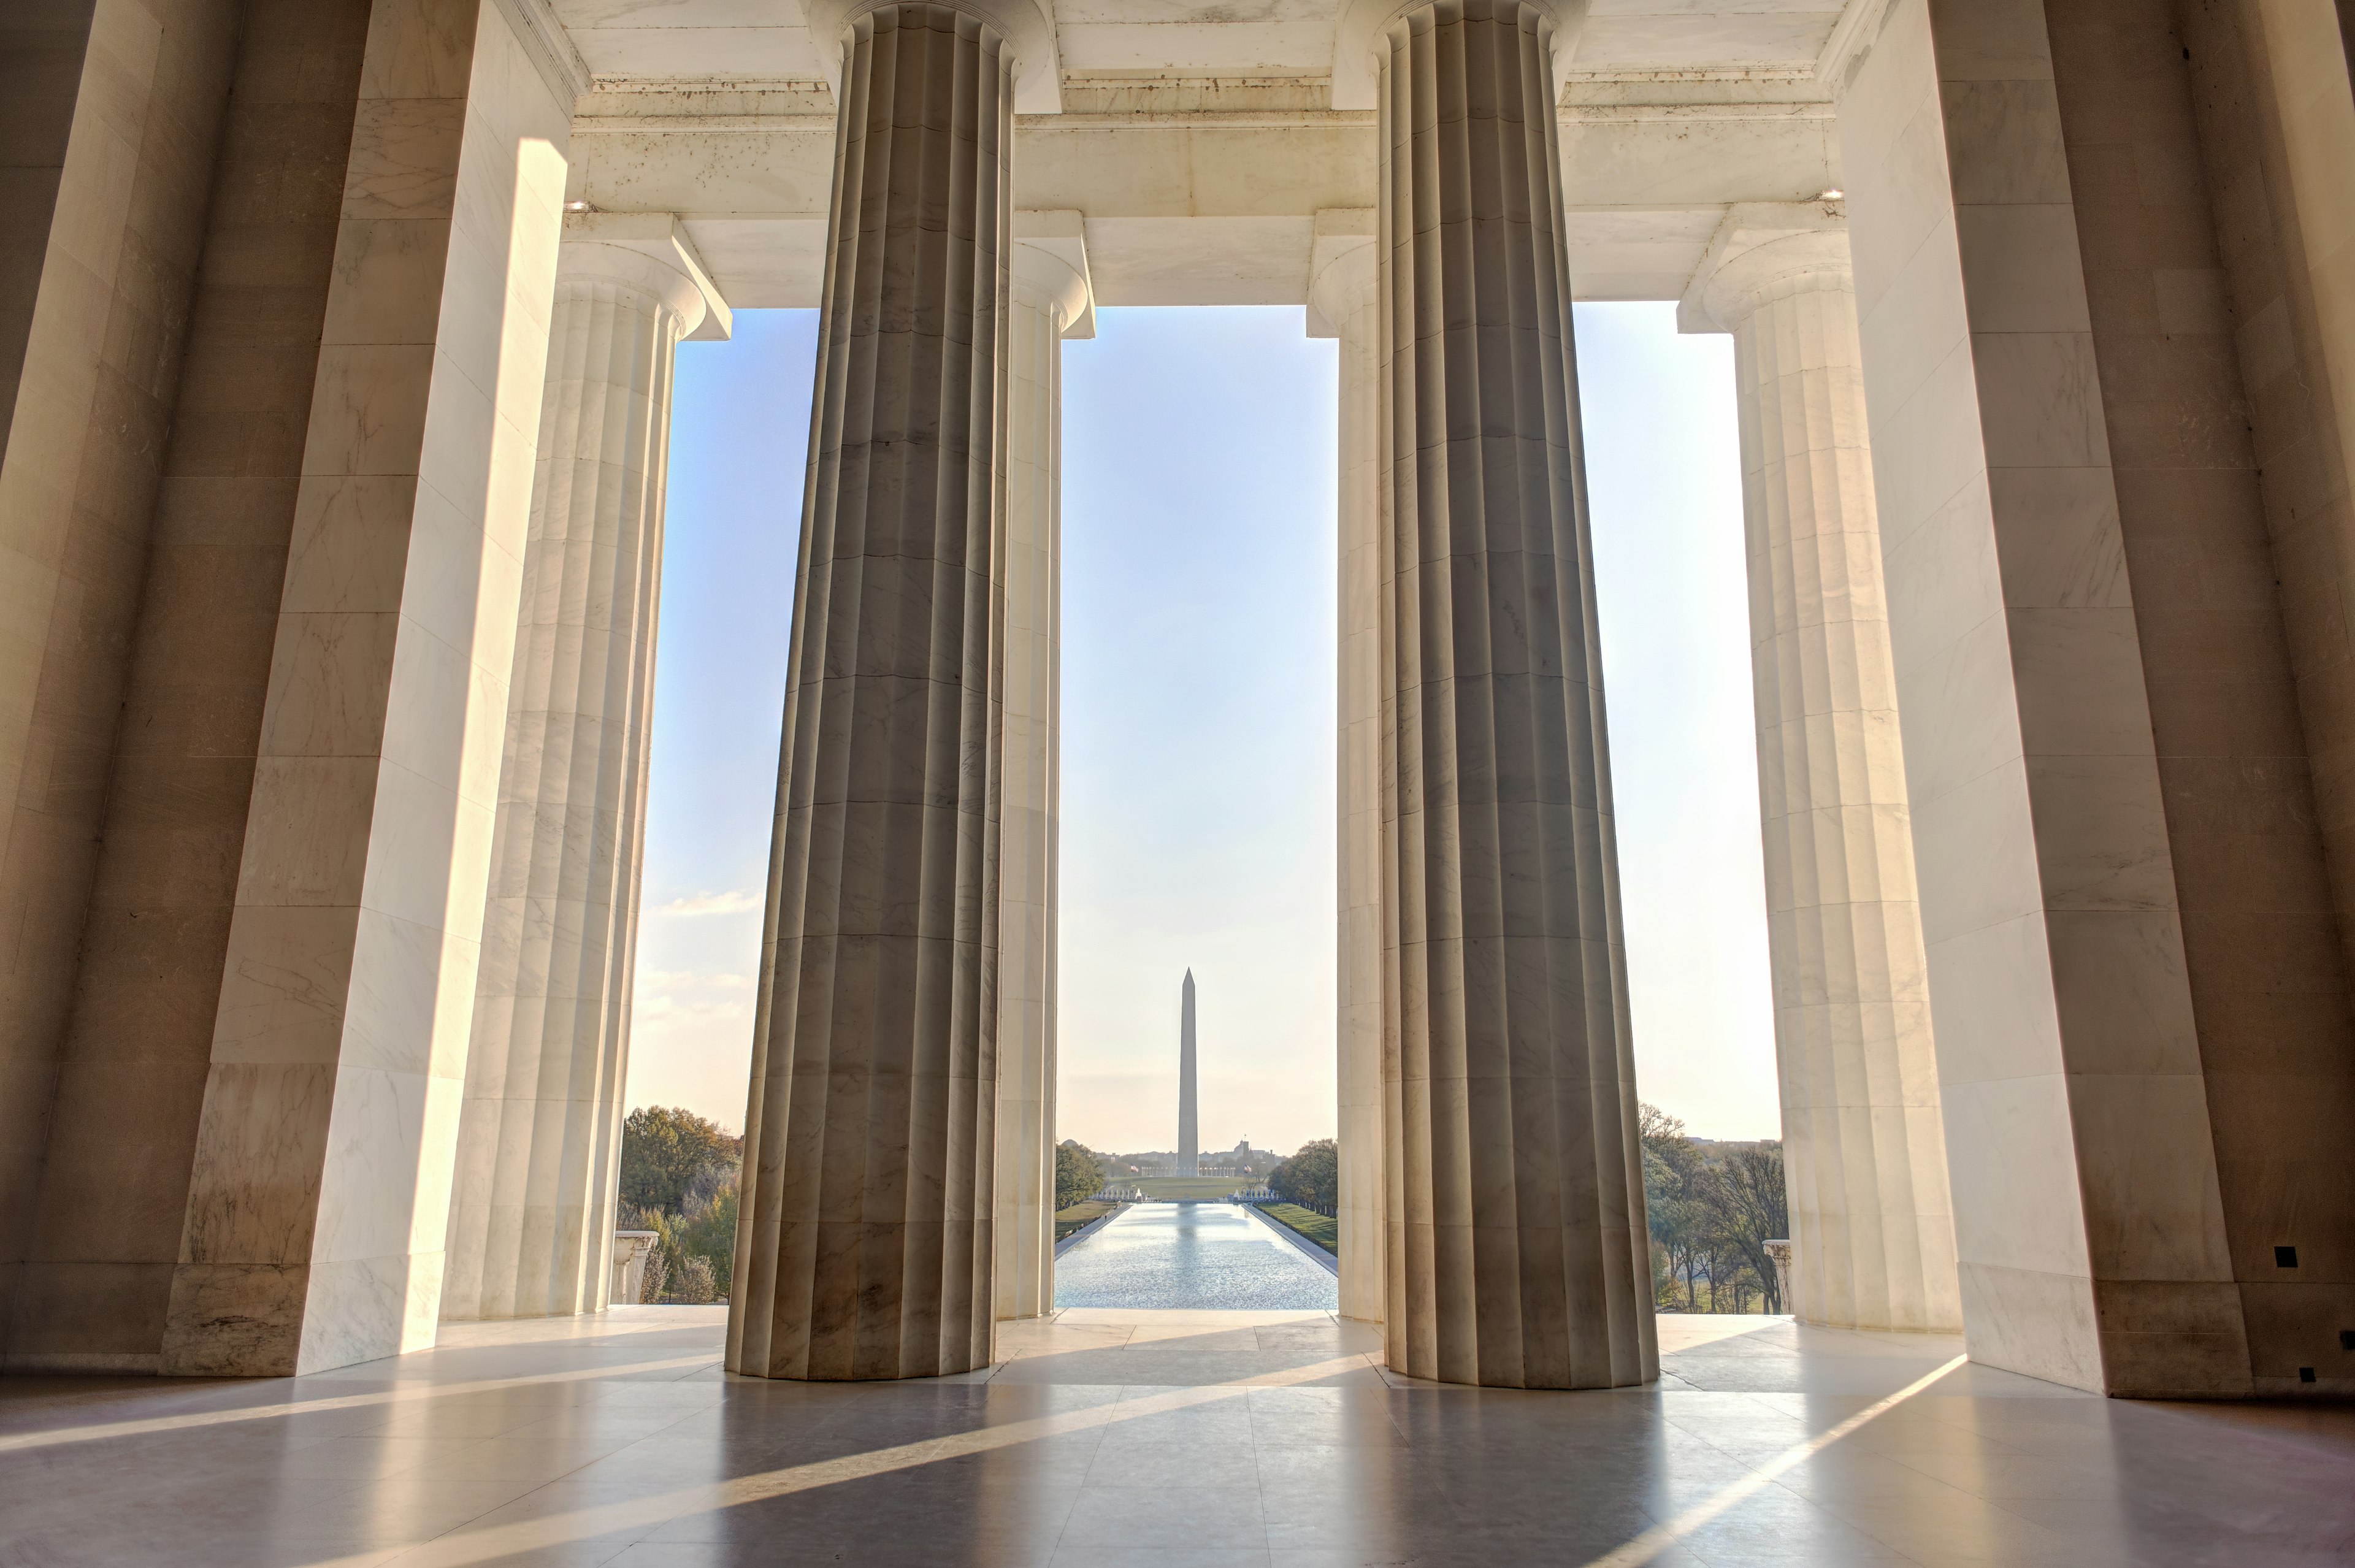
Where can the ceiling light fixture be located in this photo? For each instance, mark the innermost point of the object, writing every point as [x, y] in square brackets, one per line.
[1830, 194]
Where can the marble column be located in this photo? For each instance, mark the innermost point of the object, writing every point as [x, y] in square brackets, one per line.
[1515, 1208]
[2108, 839]
[1873, 1229]
[1343, 292]
[865, 1249]
[1050, 302]
[531, 1214]
[317, 1201]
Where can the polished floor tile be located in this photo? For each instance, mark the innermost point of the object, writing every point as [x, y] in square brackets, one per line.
[1137, 1439]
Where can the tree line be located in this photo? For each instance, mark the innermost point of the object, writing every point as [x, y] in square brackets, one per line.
[1713, 1208]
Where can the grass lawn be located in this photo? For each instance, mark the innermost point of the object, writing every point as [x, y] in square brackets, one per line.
[1168, 1187]
[1079, 1214]
[1324, 1232]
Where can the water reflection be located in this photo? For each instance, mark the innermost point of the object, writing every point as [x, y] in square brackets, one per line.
[1199, 1255]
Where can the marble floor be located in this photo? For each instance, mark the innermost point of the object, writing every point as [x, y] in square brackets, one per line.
[1168, 1439]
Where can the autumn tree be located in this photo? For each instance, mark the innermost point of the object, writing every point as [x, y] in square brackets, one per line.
[668, 1152]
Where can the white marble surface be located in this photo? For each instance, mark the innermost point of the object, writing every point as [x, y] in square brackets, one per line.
[113, 112]
[538, 1142]
[341, 1043]
[1050, 301]
[2046, 884]
[1871, 1222]
[1203, 190]
[1345, 296]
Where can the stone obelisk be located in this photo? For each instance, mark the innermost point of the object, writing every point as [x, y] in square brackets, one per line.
[1189, 1141]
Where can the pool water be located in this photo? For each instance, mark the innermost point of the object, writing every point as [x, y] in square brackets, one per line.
[1199, 1255]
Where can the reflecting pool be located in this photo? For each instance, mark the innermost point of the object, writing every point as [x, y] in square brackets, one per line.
[1200, 1256]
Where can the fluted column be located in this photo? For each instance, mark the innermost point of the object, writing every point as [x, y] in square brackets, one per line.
[864, 1245]
[1516, 1210]
[1344, 292]
[1050, 300]
[531, 1211]
[1871, 1227]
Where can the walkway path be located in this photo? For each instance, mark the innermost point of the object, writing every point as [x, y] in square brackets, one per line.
[1194, 1257]
[1109, 1439]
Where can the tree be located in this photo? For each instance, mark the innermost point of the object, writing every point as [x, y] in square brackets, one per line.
[1670, 1162]
[695, 1284]
[705, 1229]
[1311, 1178]
[1744, 1204]
[1078, 1173]
[667, 1150]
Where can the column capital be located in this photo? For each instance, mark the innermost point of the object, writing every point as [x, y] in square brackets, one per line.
[1759, 245]
[1362, 23]
[1027, 25]
[649, 251]
[1343, 268]
[1050, 268]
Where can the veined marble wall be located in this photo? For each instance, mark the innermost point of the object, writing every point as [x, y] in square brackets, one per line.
[114, 110]
[2089, 1223]
[105, 1230]
[319, 1202]
[2273, 299]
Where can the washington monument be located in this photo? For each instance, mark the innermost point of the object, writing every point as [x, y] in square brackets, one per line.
[1189, 1142]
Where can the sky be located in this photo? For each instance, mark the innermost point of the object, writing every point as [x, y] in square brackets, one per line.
[1198, 812]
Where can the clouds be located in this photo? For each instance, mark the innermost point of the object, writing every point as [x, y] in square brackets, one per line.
[736, 900]
[682, 979]
[691, 1041]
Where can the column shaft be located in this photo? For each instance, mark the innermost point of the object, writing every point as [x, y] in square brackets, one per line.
[317, 1205]
[864, 1245]
[531, 1220]
[1042, 307]
[1871, 1227]
[1515, 1198]
[1346, 292]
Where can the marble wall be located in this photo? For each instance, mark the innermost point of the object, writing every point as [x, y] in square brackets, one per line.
[2266, 973]
[105, 1231]
[110, 113]
[319, 1200]
[2275, 121]
[2128, 925]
